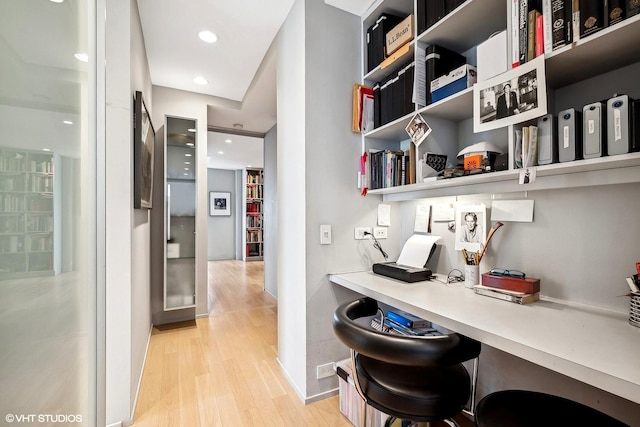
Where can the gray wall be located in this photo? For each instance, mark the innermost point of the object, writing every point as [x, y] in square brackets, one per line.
[270, 198]
[222, 229]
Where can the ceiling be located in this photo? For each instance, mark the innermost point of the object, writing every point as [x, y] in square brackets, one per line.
[240, 67]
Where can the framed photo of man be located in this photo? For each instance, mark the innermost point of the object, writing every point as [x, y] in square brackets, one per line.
[471, 227]
[512, 97]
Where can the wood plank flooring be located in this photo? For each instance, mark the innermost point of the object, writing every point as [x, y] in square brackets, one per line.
[222, 370]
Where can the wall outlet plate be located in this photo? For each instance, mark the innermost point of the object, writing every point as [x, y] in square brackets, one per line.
[325, 371]
[380, 232]
[358, 233]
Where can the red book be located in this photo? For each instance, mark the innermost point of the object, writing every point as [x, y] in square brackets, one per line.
[526, 285]
[539, 35]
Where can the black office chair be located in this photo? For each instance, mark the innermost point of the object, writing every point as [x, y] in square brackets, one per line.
[522, 408]
[410, 378]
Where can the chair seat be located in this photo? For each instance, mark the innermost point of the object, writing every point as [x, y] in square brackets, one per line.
[417, 393]
[521, 408]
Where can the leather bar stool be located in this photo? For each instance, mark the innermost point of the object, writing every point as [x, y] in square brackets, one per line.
[521, 408]
[410, 378]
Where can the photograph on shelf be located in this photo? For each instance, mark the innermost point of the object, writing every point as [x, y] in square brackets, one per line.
[512, 97]
[471, 226]
[219, 203]
[143, 142]
[418, 129]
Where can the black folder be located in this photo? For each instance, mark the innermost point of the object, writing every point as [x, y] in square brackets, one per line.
[436, 10]
[438, 62]
[377, 39]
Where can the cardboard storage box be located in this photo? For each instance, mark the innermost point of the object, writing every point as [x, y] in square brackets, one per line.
[459, 79]
[350, 400]
[399, 35]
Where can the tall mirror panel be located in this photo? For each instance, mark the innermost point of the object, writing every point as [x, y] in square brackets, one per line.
[180, 213]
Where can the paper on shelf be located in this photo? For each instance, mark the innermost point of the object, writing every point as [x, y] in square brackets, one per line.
[416, 250]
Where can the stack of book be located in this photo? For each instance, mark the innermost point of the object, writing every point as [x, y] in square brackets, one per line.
[512, 289]
[402, 323]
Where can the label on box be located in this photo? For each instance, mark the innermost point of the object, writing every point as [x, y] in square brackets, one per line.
[399, 35]
[457, 74]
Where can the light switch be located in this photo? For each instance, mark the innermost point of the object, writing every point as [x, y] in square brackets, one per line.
[325, 234]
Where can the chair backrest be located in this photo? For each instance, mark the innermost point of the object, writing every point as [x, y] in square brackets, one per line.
[442, 350]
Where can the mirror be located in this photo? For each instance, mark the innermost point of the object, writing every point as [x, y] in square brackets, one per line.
[180, 213]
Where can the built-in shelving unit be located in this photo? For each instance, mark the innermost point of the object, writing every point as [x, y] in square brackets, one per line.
[253, 214]
[26, 213]
[580, 64]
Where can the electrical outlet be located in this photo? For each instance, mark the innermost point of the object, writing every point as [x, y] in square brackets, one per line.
[380, 232]
[325, 371]
[358, 233]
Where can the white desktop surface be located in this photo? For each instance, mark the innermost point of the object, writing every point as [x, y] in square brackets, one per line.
[594, 346]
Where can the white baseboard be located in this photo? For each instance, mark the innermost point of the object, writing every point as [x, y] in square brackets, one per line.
[135, 398]
[306, 400]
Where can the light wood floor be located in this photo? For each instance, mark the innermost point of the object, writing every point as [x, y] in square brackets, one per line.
[222, 370]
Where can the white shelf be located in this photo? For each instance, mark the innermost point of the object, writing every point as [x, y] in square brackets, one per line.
[468, 25]
[620, 169]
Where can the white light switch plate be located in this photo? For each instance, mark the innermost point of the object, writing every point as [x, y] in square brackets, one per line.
[325, 234]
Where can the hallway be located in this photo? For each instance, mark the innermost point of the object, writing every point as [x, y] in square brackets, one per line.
[222, 370]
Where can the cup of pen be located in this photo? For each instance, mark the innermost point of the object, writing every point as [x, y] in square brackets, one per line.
[471, 268]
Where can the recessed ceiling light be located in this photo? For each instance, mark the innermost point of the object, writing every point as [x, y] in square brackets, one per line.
[187, 163]
[248, 166]
[185, 174]
[228, 141]
[46, 149]
[57, 1]
[83, 57]
[186, 169]
[191, 130]
[190, 144]
[220, 152]
[187, 155]
[200, 81]
[207, 36]
[67, 122]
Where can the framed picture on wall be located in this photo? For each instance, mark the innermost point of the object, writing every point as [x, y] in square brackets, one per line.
[219, 203]
[143, 143]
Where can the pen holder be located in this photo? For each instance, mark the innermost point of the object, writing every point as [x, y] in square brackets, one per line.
[634, 310]
[471, 275]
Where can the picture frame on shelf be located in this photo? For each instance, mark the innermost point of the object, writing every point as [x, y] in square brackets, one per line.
[219, 203]
[143, 154]
[512, 97]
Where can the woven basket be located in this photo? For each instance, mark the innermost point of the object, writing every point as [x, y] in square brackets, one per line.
[634, 310]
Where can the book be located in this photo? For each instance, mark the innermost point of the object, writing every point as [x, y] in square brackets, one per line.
[592, 17]
[514, 297]
[527, 285]
[575, 20]
[515, 33]
[407, 320]
[560, 23]
[633, 8]
[532, 16]
[616, 11]
[523, 9]
[539, 44]
[547, 25]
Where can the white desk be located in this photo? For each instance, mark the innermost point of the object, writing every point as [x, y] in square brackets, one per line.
[594, 346]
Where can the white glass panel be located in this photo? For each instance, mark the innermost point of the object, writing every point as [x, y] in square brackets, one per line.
[47, 291]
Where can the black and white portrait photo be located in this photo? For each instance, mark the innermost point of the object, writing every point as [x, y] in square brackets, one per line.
[470, 227]
[509, 98]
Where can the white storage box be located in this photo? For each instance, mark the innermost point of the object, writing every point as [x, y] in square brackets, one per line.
[492, 56]
[459, 79]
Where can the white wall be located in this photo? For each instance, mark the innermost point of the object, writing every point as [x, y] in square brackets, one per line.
[291, 261]
[128, 283]
[318, 63]
[222, 229]
[270, 200]
[190, 105]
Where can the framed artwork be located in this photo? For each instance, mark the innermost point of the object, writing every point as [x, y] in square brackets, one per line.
[471, 227]
[219, 203]
[512, 97]
[143, 147]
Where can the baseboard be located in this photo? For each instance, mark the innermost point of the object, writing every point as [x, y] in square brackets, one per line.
[115, 425]
[135, 399]
[306, 400]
